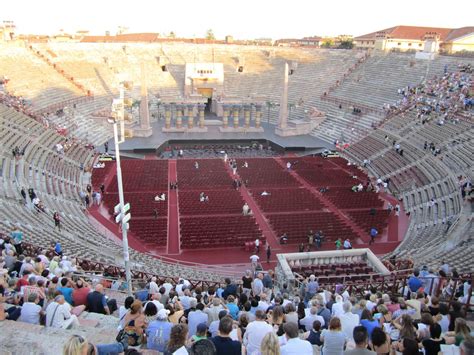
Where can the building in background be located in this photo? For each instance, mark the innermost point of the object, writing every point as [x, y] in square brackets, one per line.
[418, 39]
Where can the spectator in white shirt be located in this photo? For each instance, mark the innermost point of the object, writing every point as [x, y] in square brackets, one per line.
[337, 307]
[58, 314]
[263, 304]
[349, 320]
[154, 289]
[295, 345]
[213, 311]
[257, 285]
[255, 333]
[31, 311]
[308, 321]
[168, 286]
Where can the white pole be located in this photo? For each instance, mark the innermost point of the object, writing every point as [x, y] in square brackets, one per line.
[126, 256]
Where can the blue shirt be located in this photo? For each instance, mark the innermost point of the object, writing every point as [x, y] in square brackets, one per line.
[142, 295]
[195, 318]
[373, 232]
[233, 310]
[370, 325]
[67, 293]
[57, 248]
[414, 283]
[158, 335]
[17, 236]
[312, 287]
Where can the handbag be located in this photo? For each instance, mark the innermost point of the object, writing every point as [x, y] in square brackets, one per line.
[121, 333]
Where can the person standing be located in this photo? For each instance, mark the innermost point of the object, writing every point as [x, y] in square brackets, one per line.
[373, 234]
[256, 331]
[23, 194]
[57, 220]
[269, 253]
[257, 246]
[17, 236]
[319, 239]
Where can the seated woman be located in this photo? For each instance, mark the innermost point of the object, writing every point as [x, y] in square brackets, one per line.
[135, 325]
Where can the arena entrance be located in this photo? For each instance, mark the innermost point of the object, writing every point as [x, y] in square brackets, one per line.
[207, 93]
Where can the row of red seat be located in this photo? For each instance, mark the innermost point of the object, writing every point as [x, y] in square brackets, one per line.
[286, 200]
[220, 202]
[366, 220]
[203, 232]
[297, 226]
[153, 232]
[264, 173]
[344, 197]
[99, 174]
[142, 204]
[328, 177]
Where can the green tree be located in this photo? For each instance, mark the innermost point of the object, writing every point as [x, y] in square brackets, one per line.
[210, 34]
[327, 43]
[346, 44]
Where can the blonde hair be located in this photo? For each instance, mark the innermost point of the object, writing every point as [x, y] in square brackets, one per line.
[270, 345]
[74, 345]
[136, 307]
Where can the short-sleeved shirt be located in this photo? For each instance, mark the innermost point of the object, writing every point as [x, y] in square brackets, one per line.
[30, 313]
[79, 296]
[414, 283]
[432, 347]
[226, 346]
[17, 237]
[67, 293]
[370, 325]
[334, 342]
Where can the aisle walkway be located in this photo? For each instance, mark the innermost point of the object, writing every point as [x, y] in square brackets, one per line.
[173, 215]
[262, 222]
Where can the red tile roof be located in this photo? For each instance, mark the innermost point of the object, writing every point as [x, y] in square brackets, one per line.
[417, 33]
[132, 37]
[458, 33]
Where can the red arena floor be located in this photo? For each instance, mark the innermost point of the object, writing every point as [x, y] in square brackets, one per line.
[215, 232]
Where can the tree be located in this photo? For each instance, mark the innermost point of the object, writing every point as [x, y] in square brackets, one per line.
[210, 34]
[346, 44]
[327, 43]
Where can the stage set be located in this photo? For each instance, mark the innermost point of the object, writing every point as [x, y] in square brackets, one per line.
[315, 194]
[206, 115]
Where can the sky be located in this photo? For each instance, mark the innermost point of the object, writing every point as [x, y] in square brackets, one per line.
[243, 19]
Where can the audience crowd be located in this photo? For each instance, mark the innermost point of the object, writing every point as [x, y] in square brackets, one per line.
[248, 317]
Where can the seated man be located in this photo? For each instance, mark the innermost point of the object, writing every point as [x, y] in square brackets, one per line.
[97, 302]
[58, 314]
[284, 239]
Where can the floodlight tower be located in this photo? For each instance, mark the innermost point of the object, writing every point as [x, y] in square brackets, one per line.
[118, 119]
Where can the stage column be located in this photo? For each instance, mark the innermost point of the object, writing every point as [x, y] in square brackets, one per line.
[179, 116]
[201, 115]
[247, 112]
[235, 109]
[258, 115]
[225, 116]
[190, 109]
[167, 116]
